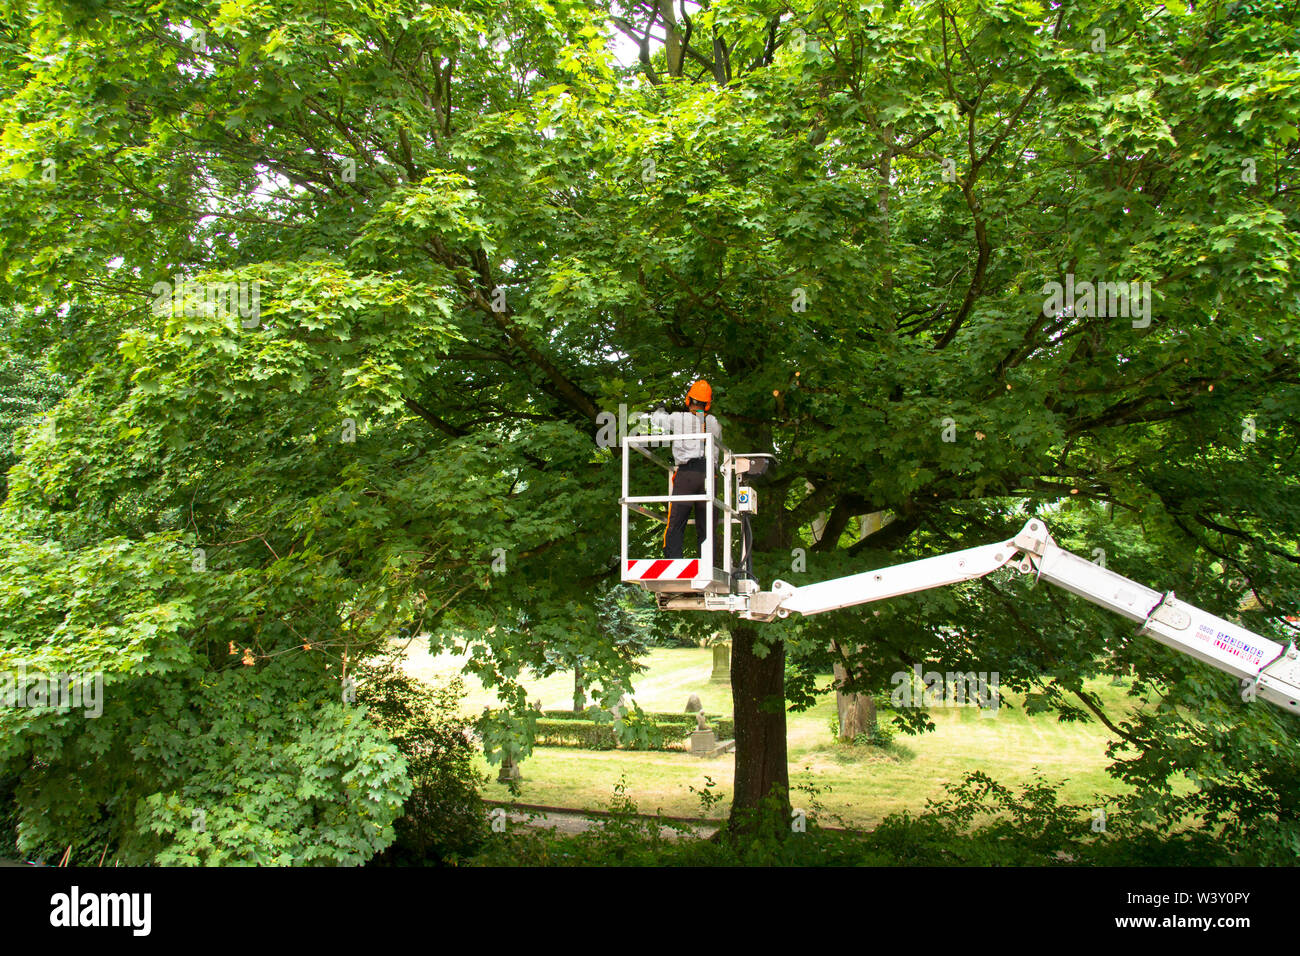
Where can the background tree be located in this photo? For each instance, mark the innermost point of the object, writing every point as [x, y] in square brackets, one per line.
[231, 506]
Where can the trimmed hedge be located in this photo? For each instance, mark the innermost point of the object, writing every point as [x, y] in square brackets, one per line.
[560, 728]
[591, 713]
[575, 733]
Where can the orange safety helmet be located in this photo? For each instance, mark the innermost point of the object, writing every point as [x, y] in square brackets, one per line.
[701, 392]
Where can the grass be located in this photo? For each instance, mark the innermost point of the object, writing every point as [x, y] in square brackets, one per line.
[858, 786]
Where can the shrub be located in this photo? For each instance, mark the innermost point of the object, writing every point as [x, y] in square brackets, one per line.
[882, 735]
[443, 820]
[561, 728]
[575, 733]
[9, 817]
[981, 824]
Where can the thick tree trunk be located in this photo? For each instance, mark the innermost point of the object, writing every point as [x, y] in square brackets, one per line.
[760, 733]
[857, 712]
[579, 690]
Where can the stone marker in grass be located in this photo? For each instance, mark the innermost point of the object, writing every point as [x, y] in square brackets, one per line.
[721, 664]
[509, 770]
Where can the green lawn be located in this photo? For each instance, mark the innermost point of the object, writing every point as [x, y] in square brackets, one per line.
[859, 785]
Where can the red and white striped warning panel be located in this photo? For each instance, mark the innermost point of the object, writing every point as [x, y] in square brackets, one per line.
[664, 569]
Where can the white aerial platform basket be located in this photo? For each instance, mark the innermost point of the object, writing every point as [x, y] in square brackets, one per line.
[700, 575]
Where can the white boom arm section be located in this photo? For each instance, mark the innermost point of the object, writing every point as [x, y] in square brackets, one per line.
[1272, 669]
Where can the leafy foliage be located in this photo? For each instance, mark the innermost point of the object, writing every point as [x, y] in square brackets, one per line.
[473, 231]
[881, 735]
[27, 388]
[650, 731]
[444, 818]
[980, 823]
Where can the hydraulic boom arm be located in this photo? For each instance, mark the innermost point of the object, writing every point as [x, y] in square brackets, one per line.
[1269, 668]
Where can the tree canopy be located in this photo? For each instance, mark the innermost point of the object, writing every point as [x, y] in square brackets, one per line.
[449, 236]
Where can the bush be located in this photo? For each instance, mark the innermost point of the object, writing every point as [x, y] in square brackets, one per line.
[882, 735]
[575, 733]
[625, 838]
[564, 728]
[9, 818]
[981, 824]
[443, 820]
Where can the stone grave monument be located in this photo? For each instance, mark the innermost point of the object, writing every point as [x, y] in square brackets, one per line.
[721, 664]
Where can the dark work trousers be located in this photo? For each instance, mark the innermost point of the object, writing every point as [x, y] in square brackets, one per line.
[688, 479]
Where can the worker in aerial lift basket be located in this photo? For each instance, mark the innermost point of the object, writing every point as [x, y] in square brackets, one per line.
[689, 477]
